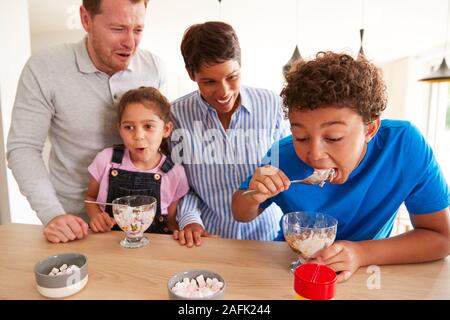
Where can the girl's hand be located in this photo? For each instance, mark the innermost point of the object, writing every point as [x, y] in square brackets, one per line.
[268, 181]
[102, 222]
[344, 257]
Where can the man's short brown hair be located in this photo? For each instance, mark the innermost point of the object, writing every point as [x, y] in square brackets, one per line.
[211, 42]
[336, 79]
[93, 6]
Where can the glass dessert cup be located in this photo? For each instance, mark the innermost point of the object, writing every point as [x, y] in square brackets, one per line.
[307, 233]
[134, 214]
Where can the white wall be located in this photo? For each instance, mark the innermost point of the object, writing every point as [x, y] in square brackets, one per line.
[267, 35]
[408, 98]
[15, 39]
[4, 195]
[406, 95]
[43, 40]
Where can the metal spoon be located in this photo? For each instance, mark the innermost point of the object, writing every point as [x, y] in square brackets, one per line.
[317, 177]
[103, 203]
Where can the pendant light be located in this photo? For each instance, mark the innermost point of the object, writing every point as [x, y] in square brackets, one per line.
[220, 10]
[296, 54]
[442, 74]
[361, 50]
[361, 31]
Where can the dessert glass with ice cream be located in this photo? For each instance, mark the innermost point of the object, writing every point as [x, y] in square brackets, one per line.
[308, 232]
[134, 214]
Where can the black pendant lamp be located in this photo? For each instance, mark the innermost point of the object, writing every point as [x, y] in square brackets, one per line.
[295, 56]
[361, 50]
[361, 31]
[442, 74]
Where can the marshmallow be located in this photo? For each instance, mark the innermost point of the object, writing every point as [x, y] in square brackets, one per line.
[64, 269]
[201, 281]
[197, 288]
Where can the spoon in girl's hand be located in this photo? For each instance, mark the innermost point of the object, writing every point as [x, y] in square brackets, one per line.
[96, 202]
[317, 177]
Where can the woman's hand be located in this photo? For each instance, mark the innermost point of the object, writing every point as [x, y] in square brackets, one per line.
[192, 233]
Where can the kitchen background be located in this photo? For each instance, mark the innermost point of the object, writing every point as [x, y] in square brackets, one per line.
[406, 38]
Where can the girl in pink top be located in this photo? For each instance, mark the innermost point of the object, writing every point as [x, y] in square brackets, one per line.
[141, 166]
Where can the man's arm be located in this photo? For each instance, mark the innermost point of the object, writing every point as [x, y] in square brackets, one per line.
[31, 118]
[30, 123]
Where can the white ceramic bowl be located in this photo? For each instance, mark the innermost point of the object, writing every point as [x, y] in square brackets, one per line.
[62, 285]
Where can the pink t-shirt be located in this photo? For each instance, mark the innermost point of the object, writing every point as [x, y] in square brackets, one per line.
[174, 184]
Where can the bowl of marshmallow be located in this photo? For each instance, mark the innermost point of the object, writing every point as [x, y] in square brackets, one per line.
[61, 275]
[197, 284]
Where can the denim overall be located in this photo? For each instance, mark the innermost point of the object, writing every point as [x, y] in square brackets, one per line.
[128, 183]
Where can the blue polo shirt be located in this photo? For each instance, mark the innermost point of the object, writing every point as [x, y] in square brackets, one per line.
[399, 166]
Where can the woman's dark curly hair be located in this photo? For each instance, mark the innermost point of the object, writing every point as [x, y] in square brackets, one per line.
[338, 80]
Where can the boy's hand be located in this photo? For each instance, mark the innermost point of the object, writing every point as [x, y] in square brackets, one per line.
[344, 257]
[102, 222]
[268, 181]
[192, 233]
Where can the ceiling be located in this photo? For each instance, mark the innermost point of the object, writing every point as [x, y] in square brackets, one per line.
[393, 28]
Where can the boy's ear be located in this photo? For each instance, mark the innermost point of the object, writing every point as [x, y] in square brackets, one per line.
[372, 129]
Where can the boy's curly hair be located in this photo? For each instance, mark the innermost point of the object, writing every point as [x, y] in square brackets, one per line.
[336, 79]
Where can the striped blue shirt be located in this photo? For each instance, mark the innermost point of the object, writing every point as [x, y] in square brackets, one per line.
[218, 160]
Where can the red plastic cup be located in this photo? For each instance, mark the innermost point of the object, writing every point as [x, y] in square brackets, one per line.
[314, 282]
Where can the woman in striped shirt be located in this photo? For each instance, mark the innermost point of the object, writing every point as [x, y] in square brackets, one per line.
[222, 130]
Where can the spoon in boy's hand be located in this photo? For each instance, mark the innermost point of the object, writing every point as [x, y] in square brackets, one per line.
[317, 177]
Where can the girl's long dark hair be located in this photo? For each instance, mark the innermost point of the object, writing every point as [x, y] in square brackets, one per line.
[149, 97]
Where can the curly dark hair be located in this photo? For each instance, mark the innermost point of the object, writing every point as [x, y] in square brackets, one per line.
[338, 80]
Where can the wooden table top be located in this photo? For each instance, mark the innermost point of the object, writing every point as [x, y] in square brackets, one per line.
[251, 269]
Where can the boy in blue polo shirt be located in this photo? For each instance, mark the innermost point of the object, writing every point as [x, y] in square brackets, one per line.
[334, 105]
